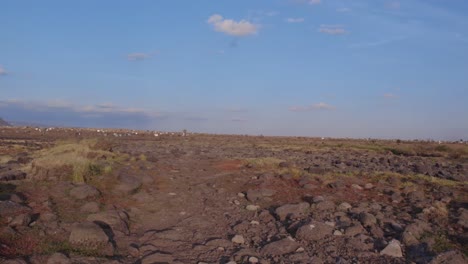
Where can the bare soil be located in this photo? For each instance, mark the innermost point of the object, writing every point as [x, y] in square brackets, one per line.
[198, 198]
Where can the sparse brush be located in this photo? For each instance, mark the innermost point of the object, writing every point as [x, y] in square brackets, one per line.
[83, 162]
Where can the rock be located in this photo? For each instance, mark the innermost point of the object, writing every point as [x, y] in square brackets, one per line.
[314, 231]
[393, 249]
[15, 261]
[318, 199]
[12, 175]
[292, 210]
[254, 195]
[450, 257]
[241, 195]
[238, 239]
[368, 186]
[58, 258]
[337, 233]
[280, 247]
[91, 207]
[117, 220]
[157, 258]
[20, 220]
[355, 230]
[88, 234]
[252, 207]
[356, 187]
[325, 206]
[463, 217]
[127, 185]
[253, 260]
[9, 208]
[219, 243]
[367, 219]
[84, 191]
[344, 207]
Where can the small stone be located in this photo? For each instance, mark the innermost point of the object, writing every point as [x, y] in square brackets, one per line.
[241, 195]
[356, 187]
[393, 249]
[337, 233]
[58, 258]
[236, 202]
[368, 186]
[253, 260]
[253, 222]
[238, 239]
[252, 207]
[318, 199]
[91, 207]
[299, 250]
[367, 219]
[344, 206]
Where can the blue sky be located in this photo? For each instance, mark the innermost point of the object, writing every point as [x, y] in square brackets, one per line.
[339, 68]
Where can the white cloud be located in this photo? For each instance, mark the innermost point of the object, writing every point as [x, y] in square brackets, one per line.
[3, 71]
[295, 20]
[314, 2]
[317, 106]
[231, 27]
[138, 56]
[332, 29]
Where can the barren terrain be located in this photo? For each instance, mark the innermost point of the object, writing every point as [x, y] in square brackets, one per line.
[102, 196]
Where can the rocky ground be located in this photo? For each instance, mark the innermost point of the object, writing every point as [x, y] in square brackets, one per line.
[89, 196]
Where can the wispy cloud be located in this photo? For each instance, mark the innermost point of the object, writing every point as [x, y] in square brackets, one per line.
[343, 10]
[310, 2]
[240, 120]
[64, 113]
[332, 29]
[138, 56]
[393, 4]
[3, 72]
[317, 106]
[390, 96]
[378, 42]
[295, 20]
[231, 27]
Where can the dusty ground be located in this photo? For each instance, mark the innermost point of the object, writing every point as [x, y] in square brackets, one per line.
[82, 196]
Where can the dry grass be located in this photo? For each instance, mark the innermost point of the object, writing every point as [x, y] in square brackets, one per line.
[263, 163]
[81, 157]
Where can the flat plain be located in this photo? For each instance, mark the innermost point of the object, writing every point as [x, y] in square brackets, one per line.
[121, 196]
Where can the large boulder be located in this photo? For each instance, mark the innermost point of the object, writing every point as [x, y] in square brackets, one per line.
[84, 191]
[117, 220]
[314, 231]
[127, 184]
[91, 236]
[280, 247]
[292, 210]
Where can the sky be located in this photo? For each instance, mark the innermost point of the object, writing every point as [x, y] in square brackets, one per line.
[328, 68]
